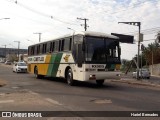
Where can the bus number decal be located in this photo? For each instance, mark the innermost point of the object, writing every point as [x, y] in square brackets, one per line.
[98, 66]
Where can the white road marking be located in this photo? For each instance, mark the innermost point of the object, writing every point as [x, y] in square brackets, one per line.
[6, 101]
[101, 101]
[53, 101]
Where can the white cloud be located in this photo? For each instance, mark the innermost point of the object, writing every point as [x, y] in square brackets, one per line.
[30, 16]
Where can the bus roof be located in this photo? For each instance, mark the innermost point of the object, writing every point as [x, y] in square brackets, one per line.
[96, 34]
[85, 33]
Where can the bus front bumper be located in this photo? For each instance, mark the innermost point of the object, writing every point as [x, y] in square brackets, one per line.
[102, 75]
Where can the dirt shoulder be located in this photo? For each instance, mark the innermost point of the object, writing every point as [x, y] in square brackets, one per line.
[2, 83]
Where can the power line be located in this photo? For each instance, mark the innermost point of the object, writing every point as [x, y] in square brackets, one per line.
[147, 40]
[42, 14]
[150, 30]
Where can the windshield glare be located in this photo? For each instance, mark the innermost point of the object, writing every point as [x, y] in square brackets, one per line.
[101, 50]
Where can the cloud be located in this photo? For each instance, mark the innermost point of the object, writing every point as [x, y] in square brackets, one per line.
[29, 16]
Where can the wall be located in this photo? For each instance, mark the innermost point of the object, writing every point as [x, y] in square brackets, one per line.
[156, 69]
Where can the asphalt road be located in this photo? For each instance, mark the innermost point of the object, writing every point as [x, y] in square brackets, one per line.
[52, 94]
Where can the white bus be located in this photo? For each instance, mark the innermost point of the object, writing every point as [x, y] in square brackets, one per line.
[82, 56]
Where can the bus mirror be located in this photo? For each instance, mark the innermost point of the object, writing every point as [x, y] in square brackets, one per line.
[83, 47]
[119, 50]
[79, 55]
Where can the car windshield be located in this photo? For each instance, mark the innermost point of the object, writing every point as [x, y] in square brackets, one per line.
[21, 64]
[144, 69]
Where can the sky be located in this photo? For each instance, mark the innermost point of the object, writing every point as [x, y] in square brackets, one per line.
[53, 17]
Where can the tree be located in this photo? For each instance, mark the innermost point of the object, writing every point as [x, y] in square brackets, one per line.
[158, 37]
[127, 65]
[152, 53]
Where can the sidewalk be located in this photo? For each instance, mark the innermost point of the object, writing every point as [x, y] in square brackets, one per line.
[145, 82]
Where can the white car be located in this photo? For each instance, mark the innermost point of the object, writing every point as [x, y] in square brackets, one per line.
[20, 67]
[143, 73]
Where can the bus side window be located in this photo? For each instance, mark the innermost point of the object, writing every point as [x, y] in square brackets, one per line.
[29, 51]
[41, 48]
[44, 49]
[48, 47]
[38, 49]
[70, 44]
[62, 45]
[56, 48]
[35, 50]
[32, 50]
[51, 46]
[59, 45]
[67, 46]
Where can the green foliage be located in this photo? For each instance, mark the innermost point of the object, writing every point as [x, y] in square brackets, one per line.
[152, 52]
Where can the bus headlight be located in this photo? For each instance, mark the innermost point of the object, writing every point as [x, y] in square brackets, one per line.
[92, 77]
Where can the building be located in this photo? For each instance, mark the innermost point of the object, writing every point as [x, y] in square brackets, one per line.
[4, 52]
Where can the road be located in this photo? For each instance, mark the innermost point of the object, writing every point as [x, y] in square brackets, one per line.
[24, 92]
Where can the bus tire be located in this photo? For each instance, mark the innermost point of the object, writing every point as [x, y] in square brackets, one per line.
[36, 74]
[99, 82]
[69, 78]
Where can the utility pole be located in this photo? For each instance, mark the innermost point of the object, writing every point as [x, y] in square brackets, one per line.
[39, 36]
[5, 50]
[18, 47]
[139, 27]
[85, 22]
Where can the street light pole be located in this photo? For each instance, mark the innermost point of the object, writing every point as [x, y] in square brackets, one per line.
[39, 36]
[18, 47]
[4, 45]
[139, 28]
[5, 50]
[73, 31]
[30, 41]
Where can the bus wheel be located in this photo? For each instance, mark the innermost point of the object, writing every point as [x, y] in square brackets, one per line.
[99, 82]
[69, 78]
[36, 74]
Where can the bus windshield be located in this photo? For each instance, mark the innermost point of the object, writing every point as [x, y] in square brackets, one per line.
[101, 50]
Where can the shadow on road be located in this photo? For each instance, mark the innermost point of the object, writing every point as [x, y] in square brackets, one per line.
[86, 84]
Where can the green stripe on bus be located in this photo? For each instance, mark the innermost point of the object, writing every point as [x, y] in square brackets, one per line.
[53, 67]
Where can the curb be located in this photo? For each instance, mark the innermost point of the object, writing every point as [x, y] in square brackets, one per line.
[137, 82]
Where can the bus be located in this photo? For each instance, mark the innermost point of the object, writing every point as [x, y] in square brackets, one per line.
[81, 56]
